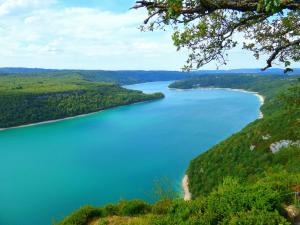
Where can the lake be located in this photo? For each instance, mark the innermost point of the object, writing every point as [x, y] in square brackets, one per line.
[49, 170]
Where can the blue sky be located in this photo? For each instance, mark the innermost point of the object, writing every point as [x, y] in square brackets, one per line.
[111, 5]
[89, 34]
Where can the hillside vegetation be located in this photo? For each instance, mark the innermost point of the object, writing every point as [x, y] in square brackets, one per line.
[232, 202]
[247, 153]
[242, 180]
[32, 98]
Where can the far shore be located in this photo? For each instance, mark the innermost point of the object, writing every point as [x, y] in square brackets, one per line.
[69, 118]
[259, 96]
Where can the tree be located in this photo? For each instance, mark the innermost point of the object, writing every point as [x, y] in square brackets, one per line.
[207, 28]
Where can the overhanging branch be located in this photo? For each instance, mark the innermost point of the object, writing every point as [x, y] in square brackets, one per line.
[277, 51]
[211, 6]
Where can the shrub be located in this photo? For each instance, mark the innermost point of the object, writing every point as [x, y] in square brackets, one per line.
[134, 207]
[161, 207]
[232, 198]
[258, 217]
[82, 216]
[111, 210]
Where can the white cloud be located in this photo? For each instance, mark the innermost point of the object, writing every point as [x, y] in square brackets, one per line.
[40, 33]
[50, 36]
[12, 6]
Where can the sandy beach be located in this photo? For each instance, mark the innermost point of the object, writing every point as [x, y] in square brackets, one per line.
[185, 186]
[262, 101]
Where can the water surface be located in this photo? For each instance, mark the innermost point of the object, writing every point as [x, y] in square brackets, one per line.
[49, 170]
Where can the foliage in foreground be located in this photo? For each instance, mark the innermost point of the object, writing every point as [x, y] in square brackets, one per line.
[232, 202]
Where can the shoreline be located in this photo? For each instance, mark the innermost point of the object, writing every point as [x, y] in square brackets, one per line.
[262, 102]
[68, 118]
[185, 181]
[49, 121]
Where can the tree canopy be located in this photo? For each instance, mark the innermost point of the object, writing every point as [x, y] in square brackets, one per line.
[209, 28]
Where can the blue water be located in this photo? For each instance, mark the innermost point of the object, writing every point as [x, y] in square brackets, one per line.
[49, 170]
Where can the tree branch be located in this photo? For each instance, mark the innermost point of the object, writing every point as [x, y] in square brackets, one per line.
[277, 51]
[211, 6]
[206, 27]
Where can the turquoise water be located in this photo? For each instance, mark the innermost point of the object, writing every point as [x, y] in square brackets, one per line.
[47, 171]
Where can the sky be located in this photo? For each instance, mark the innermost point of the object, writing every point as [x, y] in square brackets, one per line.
[90, 34]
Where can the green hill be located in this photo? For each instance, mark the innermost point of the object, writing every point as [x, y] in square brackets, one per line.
[118, 77]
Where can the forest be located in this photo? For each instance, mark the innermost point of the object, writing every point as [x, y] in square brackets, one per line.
[32, 98]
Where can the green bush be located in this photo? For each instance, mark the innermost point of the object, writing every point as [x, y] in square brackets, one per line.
[111, 210]
[257, 217]
[134, 207]
[161, 207]
[82, 216]
[232, 198]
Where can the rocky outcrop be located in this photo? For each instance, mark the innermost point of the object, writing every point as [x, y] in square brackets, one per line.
[293, 213]
[266, 137]
[277, 146]
[252, 147]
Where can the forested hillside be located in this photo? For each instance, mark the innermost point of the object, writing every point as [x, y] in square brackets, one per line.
[253, 177]
[32, 98]
[119, 77]
[124, 77]
[247, 153]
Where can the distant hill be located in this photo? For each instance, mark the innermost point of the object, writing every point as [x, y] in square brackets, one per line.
[120, 77]
[274, 71]
[25, 70]
[124, 77]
